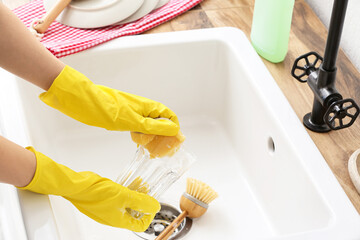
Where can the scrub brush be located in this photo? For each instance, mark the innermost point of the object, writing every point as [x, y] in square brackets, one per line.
[194, 203]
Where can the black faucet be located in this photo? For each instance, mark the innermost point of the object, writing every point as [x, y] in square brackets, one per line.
[330, 111]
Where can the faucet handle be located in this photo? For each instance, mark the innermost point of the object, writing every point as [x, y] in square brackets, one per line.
[341, 114]
[305, 64]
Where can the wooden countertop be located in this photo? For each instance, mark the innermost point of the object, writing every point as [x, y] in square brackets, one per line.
[307, 34]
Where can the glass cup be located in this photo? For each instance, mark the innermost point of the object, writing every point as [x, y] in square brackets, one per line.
[153, 176]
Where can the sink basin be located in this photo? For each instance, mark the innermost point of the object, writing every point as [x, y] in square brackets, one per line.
[251, 147]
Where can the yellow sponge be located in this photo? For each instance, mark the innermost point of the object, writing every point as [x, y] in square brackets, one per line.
[141, 138]
[159, 146]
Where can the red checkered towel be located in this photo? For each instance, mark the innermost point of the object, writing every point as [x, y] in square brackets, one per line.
[63, 40]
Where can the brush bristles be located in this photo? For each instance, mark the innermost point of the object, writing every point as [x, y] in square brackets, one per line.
[200, 190]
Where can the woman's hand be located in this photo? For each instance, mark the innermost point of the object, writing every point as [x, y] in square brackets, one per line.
[99, 198]
[71, 92]
[75, 95]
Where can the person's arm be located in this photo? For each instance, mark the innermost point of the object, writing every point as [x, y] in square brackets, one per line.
[71, 92]
[17, 165]
[99, 198]
[23, 55]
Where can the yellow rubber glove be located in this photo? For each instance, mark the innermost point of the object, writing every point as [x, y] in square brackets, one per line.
[75, 95]
[99, 198]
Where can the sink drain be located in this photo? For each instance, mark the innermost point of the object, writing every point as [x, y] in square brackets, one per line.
[163, 219]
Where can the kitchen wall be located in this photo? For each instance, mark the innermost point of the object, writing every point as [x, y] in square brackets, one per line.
[350, 41]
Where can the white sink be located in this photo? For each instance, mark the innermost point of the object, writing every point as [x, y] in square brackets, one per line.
[251, 147]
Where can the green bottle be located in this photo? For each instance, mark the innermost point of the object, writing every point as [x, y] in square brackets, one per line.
[271, 28]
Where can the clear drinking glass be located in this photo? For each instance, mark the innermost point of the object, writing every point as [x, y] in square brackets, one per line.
[154, 176]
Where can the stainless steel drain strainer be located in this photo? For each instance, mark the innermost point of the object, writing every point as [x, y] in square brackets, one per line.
[163, 219]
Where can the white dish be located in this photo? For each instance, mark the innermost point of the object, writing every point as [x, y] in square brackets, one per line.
[91, 4]
[95, 13]
[147, 7]
[161, 3]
